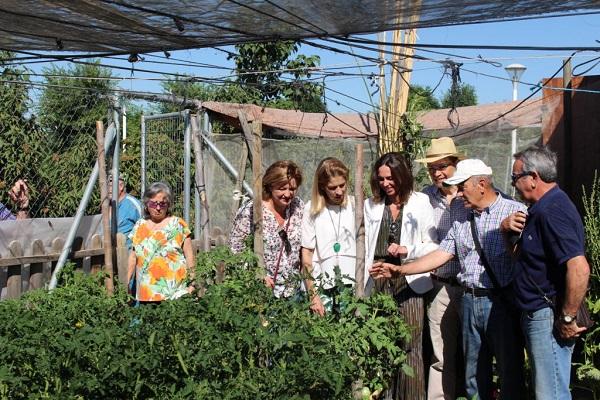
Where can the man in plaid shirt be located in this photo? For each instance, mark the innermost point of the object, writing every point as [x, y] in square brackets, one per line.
[490, 326]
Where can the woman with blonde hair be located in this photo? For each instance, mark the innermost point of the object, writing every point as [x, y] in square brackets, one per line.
[282, 216]
[328, 236]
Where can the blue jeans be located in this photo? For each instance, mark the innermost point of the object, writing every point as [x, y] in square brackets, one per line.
[549, 354]
[491, 329]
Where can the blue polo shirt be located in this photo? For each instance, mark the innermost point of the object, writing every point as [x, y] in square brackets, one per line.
[130, 210]
[553, 235]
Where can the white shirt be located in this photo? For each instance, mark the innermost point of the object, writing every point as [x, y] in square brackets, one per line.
[320, 232]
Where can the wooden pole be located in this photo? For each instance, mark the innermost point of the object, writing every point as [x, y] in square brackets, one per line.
[247, 132]
[201, 184]
[257, 186]
[359, 199]
[105, 203]
[567, 128]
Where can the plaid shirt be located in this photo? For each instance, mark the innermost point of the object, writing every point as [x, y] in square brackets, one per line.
[443, 222]
[459, 242]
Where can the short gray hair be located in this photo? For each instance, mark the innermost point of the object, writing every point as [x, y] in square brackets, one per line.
[541, 160]
[153, 190]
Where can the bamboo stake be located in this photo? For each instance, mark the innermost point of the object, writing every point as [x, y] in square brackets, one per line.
[105, 202]
[257, 179]
[359, 199]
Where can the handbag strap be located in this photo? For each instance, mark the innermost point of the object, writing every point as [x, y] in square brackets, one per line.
[482, 256]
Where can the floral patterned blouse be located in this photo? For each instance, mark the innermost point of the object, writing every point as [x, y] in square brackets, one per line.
[288, 279]
[161, 270]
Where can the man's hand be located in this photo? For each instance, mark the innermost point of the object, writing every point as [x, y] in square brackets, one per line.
[19, 194]
[514, 222]
[383, 270]
[397, 251]
[568, 331]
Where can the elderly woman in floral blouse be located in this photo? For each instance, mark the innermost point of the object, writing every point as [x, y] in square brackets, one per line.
[282, 217]
[161, 257]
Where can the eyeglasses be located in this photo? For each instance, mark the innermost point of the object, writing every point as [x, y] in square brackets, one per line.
[438, 167]
[157, 204]
[515, 177]
[286, 241]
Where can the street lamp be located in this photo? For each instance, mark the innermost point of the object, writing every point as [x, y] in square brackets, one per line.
[514, 71]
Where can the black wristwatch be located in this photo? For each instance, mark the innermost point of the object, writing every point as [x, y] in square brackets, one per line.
[567, 319]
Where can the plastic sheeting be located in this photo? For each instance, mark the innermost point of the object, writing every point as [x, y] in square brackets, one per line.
[139, 26]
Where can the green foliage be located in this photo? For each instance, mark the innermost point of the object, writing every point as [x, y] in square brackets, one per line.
[421, 98]
[235, 342]
[69, 107]
[589, 371]
[461, 96]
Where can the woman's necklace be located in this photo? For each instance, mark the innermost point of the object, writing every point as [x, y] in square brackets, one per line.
[336, 246]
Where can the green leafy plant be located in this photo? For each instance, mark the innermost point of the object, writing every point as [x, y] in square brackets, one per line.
[236, 341]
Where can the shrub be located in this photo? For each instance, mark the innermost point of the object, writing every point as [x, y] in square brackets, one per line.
[234, 342]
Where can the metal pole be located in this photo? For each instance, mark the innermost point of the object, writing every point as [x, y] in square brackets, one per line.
[124, 124]
[187, 161]
[87, 194]
[143, 157]
[513, 134]
[228, 167]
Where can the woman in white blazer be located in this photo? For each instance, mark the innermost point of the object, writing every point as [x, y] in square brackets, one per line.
[399, 227]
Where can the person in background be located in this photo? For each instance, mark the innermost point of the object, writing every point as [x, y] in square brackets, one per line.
[490, 327]
[399, 227]
[282, 218]
[444, 301]
[552, 264]
[19, 196]
[162, 257]
[328, 236]
[129, 209]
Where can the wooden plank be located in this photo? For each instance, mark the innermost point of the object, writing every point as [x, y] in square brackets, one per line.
[14, 281]
[57, 246]
[50, 257]
[96, 260]
[36, 270]
[201, 185]
[257, 188]
[105, 204]
[122, 258]
[359, 199]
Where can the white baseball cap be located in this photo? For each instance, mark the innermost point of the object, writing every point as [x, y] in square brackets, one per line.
[466, 169]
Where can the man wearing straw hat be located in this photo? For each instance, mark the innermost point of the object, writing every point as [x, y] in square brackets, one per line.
[444, 300]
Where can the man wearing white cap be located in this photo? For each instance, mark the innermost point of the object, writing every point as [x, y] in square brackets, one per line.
[490, 326]
[443, 311]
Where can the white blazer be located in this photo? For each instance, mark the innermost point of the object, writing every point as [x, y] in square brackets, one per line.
[418, 235]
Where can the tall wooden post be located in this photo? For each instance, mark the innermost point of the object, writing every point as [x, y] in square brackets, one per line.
[200, 183]
[359, 199]
[257, 186]
[105, 202]
[567, 128]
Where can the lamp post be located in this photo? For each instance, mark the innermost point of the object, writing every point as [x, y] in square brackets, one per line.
[515, 71]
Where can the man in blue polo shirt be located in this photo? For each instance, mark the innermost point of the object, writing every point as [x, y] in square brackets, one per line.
[550, 260]
[129, 209]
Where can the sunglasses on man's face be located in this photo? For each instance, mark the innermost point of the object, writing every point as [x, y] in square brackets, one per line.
[438, 167]
[515, 177]
[157, 204]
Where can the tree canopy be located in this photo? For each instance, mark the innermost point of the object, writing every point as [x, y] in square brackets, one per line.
[464, 95]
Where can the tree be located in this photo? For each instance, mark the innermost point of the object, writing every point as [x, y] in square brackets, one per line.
[71, 103]
[464, 95]
[420, 98]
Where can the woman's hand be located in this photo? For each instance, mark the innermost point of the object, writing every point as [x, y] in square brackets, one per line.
[316, 305]
[383, 270]
[269, 282]
[397, 251]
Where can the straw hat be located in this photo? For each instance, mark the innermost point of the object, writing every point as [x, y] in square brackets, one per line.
[440, 148]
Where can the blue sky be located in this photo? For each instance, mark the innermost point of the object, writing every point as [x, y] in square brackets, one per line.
[580, 31]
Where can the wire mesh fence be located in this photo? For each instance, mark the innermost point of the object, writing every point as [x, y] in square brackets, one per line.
[47, 139]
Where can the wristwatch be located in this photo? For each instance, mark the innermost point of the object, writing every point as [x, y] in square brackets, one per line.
[567, 319]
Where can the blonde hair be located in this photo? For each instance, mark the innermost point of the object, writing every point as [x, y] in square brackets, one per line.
[280, 172]
[328, 168]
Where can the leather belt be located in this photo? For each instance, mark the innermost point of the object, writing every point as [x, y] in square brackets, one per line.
[449, 281]
[479, 292]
